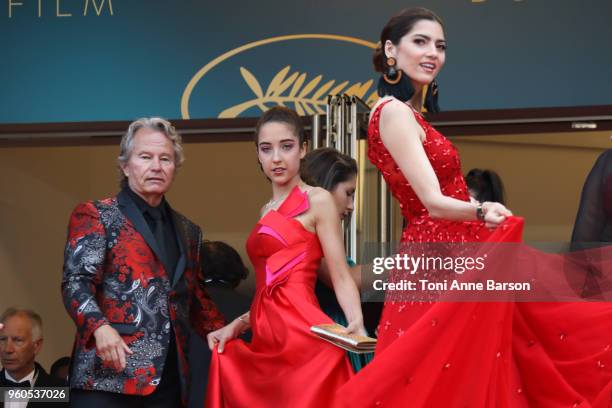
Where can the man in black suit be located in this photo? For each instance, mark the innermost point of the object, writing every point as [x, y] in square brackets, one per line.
[20, 342]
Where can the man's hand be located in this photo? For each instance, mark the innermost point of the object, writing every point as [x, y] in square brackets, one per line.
[111, 346]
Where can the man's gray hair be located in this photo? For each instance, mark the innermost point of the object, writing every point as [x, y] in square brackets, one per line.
[127, 142]
[34, 317]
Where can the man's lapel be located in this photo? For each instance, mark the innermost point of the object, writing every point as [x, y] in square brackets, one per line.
[181, 238]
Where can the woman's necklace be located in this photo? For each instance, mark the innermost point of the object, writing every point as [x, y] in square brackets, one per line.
[272, 203]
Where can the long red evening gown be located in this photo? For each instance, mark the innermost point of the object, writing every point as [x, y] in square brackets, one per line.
[472, 354]
[285, 365]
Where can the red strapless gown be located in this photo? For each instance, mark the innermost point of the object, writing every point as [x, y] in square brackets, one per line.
[477, 354]
[285, 365]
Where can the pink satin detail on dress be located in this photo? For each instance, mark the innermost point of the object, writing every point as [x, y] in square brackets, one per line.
[272, 276]
[301, 207]
[295, 204]
[267, 230]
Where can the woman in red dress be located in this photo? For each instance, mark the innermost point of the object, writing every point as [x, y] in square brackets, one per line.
[462, 354]
[286, 365]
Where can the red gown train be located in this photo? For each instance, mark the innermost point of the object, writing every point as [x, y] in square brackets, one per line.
[474, 354]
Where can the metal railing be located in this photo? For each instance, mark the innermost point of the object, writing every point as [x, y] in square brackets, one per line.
[344, 127]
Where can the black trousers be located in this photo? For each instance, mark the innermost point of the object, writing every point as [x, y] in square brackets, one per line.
[166, 395]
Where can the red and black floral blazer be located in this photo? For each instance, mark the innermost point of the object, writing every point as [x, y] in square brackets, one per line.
[112, 275]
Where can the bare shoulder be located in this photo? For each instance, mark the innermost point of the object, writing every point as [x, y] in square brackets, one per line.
[322, 206]
[395, 110]
[397, 120]
[379, 102]
[393, 106]
[319, 197]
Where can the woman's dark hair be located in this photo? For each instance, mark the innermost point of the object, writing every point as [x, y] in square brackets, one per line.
[398, 26]
[486, 185]
[282, 114]
[222, 264]
[326, 167]
[58, 364]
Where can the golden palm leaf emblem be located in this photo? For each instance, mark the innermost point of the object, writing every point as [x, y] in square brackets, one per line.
[307, 97]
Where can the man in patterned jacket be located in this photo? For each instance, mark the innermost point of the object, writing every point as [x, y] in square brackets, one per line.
[131, 282]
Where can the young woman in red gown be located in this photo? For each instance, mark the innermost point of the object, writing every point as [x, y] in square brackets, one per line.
[462, 354]
[286, 365]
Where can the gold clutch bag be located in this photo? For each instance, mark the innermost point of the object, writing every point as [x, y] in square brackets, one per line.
[335, 334]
